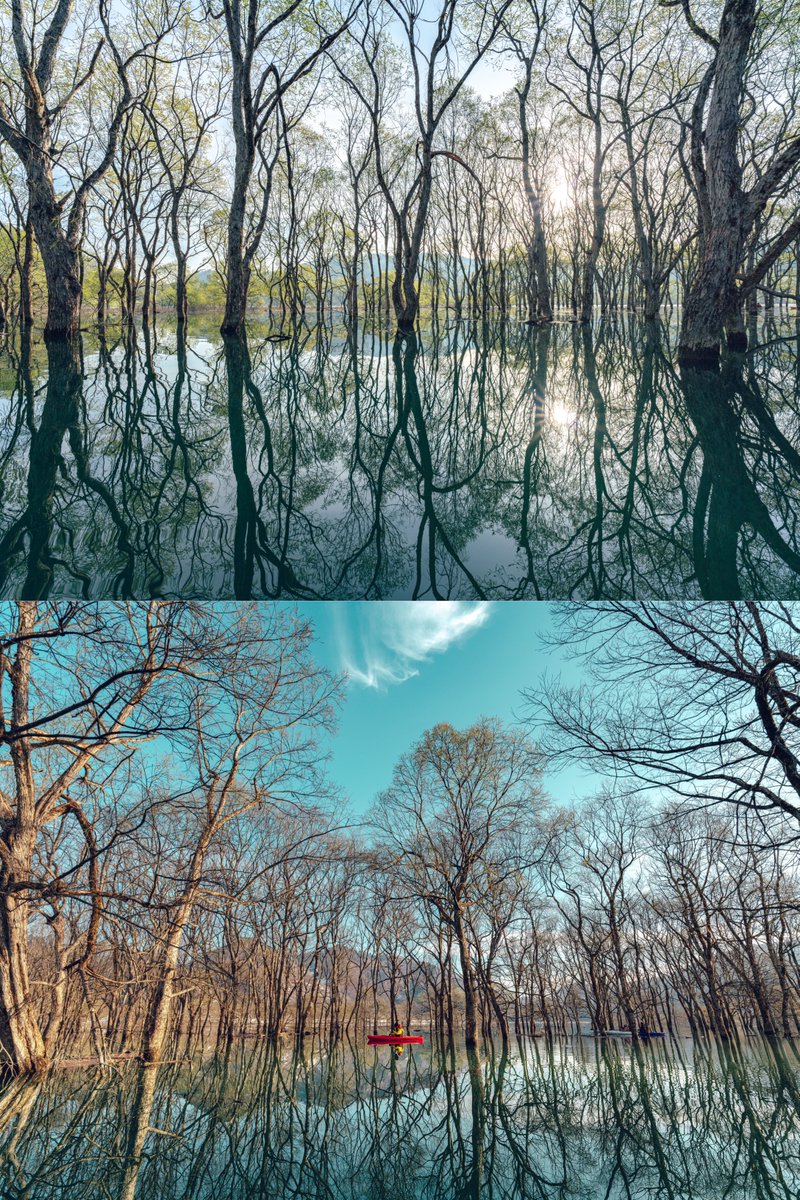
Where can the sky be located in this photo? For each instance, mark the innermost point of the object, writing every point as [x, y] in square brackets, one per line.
[411, 664]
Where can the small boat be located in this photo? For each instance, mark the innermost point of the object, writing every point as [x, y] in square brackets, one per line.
[651, 1033]
[394, 1039]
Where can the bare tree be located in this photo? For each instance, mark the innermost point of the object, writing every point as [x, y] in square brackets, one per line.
[260, 82]
[82, 685]
[452, 827]
[32, 123]
[729, 207]
[698, 697]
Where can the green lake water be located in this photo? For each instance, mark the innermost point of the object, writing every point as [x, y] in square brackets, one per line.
[502, 462]
[581, 1120]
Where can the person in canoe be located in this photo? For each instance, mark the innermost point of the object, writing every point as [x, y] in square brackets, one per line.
[397, 1031]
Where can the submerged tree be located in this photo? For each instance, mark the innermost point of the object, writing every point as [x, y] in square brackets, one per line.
[733, 191]
[459, 820]
[171, 141]
[439, 71]
[83, 686]
[270, 51]
[172, 877]
[44, 108]
[524, 27]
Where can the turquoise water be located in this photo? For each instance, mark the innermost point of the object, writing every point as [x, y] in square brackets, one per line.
[680, 1120]
[498, 462]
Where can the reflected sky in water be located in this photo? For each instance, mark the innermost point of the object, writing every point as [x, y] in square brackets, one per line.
[583, 1120]
[498, 463]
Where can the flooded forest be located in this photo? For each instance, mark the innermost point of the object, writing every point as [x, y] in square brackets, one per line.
[391, 300]
[327, 328]
[198, 936]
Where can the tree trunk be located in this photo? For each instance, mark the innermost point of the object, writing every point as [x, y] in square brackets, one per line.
[712, 297]
[540, 307]
[21, 1038]
[238, 265]
[598, 230]
[735, 330]
[238, 271]
[406, 303]
[148, 308]
[649, 284]
[60, 259]
[181, 299]
[651, 299]
[157, 1021]
[726, 215]
[470, 1007]
[102, 296]
[405, 296]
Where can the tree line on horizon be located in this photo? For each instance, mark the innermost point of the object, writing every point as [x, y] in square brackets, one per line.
[175, 869]
[643, 155]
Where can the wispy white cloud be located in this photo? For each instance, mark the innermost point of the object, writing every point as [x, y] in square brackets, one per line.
[389, 642]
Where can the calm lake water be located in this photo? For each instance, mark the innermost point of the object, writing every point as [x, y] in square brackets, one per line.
[501, 463]
[574, 1121]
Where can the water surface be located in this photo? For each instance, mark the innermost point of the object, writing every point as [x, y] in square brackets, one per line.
[500, 462]
[681, 1120]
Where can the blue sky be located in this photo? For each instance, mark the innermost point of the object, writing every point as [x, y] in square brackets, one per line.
[412, 664]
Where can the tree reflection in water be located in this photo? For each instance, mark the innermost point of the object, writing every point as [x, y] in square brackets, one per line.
[688, 1120]
[499, 462]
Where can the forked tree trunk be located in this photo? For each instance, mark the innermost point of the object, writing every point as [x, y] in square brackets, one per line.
[726, 212]
[408, 247]
[405, 300]
[712, 298]
[59, 250]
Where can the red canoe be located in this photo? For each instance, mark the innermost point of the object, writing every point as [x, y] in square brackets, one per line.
[389, 1039]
